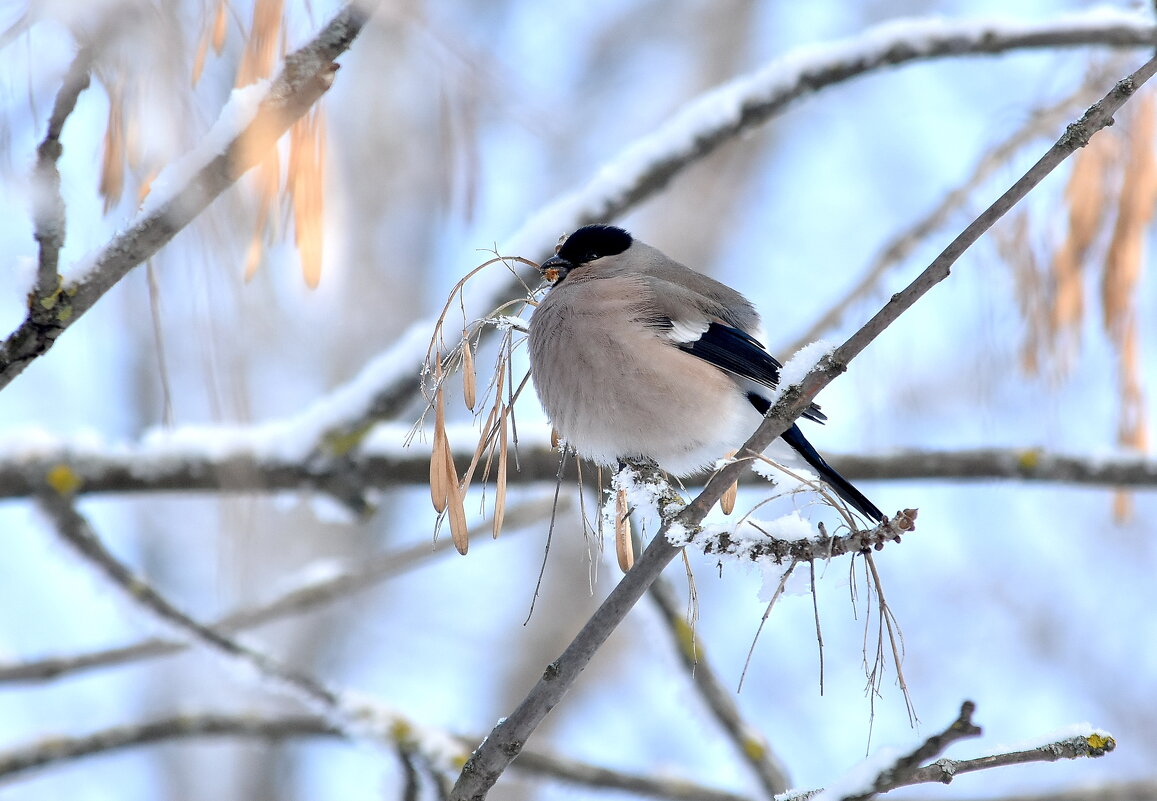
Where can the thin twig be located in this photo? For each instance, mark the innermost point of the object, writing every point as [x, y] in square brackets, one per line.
[507, 739]
[75, 529]
[357, 719]
[904, 768]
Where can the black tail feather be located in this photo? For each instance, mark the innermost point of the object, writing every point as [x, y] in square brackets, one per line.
[795, 438]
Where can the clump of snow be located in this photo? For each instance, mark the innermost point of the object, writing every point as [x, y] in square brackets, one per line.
[801, 363]
[679, 535]
[747, 534]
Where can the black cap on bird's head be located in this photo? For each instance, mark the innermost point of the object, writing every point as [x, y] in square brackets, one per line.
[583, 246]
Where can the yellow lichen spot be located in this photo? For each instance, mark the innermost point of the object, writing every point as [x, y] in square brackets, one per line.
[754, 748]
[64, 479]
[685, 636]
[401, 732]
[339, 443]
[1028, 459]
[1100, 744]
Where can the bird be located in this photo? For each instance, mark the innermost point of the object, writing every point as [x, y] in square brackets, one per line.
[635, 356]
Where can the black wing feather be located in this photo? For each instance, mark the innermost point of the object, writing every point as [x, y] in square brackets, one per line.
[738, 352]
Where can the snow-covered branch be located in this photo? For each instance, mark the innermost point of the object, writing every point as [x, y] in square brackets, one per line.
[48, 212]
[248, 460]
[227, 154]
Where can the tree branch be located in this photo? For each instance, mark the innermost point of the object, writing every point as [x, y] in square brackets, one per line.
[507, 739]
[306, 76]
[902, 771]
[152, 466]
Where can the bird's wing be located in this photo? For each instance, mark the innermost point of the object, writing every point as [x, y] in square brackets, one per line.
[740, 354]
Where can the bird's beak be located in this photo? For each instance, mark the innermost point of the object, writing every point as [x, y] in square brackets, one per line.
[555, 269]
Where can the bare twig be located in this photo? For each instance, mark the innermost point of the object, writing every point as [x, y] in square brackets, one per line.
[507, 739]
[944, 770]
[903, 769]
[307, 75]
[748, 741]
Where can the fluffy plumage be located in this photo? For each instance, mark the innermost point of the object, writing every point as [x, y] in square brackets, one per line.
[635, 355]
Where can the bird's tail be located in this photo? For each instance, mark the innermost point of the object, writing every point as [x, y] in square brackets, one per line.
[795, 438]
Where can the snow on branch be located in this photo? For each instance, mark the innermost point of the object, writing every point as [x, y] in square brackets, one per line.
[306, 76]
[257, 459]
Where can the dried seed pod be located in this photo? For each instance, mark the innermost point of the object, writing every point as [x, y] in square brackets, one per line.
[727, 501]
[459, 532]
[624, 548]
[469, 379]
[439, 488]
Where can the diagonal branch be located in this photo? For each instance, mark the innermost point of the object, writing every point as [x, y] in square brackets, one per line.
[505, 741]
[307, 75]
